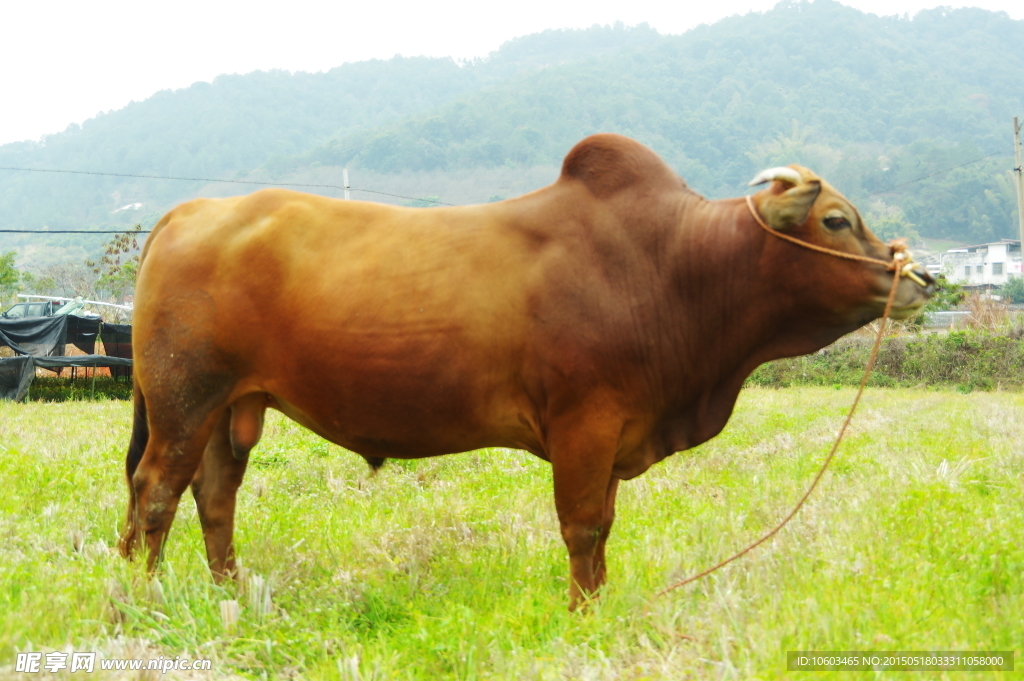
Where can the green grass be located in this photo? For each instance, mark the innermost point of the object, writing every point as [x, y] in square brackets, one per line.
[64, 388]
[454, 568]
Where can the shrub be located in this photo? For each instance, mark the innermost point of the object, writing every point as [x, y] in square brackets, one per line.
[970, 360]
[1013, 290]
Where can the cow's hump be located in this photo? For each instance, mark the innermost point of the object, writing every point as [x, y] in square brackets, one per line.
[608, 163]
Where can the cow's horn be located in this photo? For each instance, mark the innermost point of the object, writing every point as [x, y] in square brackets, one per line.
[786, 175]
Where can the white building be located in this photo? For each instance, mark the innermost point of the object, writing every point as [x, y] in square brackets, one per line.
[984, 264]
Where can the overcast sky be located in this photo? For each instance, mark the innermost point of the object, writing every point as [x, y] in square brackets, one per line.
[63, 62]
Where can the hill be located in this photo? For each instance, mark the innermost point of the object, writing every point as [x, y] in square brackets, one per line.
[228, 128]
[872, 103]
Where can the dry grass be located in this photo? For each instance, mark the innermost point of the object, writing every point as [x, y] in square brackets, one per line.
[986, 313]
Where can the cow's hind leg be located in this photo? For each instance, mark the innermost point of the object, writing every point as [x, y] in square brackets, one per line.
[180, 416]
[216, 482]
[164, 472]
[185, 383]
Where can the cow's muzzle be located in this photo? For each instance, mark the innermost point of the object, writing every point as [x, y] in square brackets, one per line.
[913, 270]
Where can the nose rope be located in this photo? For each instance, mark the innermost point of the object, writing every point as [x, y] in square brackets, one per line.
[899, 268]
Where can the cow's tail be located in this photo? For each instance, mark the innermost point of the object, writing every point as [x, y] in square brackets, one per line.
[136, 448]
[140, 425]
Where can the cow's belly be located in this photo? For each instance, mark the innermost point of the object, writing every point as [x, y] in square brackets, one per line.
[395, 400]
[390, 440]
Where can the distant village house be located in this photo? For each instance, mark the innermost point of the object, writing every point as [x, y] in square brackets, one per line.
[984, 265]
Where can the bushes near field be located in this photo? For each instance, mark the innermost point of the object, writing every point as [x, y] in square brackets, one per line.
[966, 360]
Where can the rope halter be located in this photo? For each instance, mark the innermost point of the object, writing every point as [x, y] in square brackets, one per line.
[901, 265]
[902, 262]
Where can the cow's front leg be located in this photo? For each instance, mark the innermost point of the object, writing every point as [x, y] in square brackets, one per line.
[582, 460]
[600, 567]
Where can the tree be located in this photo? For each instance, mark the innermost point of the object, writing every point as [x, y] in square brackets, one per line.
[70, 279]
[947, 296]
[889, 222]
[797, 148]
[119, 265]
[40, 285]
[1013, 290]
[9, 276]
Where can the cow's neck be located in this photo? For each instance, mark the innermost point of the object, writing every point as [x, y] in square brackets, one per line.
[730, 315]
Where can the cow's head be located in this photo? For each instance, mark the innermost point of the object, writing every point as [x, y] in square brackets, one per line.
[802, 205]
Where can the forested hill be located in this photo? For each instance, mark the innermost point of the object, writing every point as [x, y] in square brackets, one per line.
[709, 98]
[237, 122]
[228, 128]
[869, 102]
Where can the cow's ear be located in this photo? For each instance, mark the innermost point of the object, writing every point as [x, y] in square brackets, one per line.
[790, 208]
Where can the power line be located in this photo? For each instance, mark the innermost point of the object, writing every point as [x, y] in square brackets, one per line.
[925, 177]
[332, 186]
[75, 231]
[212, 179]
[397, 196]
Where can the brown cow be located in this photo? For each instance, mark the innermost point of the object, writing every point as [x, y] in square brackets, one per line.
[601, 323]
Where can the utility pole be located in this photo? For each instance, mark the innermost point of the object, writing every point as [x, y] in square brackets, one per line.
[1019, 172]
[344, 175]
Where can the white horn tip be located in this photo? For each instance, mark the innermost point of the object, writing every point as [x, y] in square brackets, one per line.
[787, 175]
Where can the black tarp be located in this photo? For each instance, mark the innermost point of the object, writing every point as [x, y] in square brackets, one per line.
[82, 333]
[47, 336]
[36, 336]
[116, 333]
[117, 342]
[16, 374]
[81, 361]
[43, 340]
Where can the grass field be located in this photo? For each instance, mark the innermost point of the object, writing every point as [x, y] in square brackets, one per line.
[454, 568]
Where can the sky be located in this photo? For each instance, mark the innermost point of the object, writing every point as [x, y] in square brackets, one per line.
[63, 62]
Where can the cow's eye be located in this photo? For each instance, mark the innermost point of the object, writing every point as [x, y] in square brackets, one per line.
[837, 223]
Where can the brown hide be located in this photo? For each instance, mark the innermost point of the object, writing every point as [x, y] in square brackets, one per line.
[601, 323]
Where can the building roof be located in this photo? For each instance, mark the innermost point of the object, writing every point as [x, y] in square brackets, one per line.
[968, 249]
